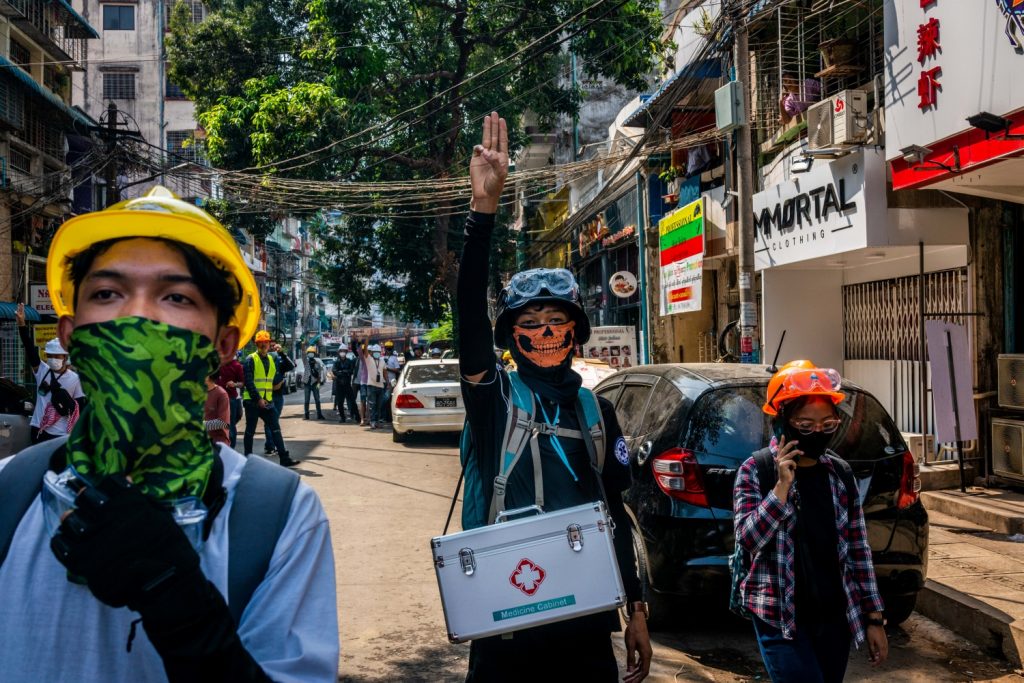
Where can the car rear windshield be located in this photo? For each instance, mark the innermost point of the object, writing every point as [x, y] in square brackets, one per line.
[729, 422]
[426, 374]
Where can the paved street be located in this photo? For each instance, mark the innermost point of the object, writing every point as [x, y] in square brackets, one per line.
[386, 500]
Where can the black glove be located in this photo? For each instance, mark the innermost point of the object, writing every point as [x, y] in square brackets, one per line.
[130, 552]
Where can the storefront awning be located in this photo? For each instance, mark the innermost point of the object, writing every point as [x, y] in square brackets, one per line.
[706, 68]
[9, 308]
[39, 90]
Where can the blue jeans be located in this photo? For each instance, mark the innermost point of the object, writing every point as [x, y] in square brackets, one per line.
[815, 655]
[278, 404]
[315, 391]
[236, 415]
[374, 403]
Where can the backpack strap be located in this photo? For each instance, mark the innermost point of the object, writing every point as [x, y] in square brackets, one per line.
[592, 422]
[20, 482]
[849, 482]
[767, 472]
[519, 431]
[262, 504]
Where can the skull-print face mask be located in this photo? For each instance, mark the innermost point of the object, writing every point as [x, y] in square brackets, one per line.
[545, 346]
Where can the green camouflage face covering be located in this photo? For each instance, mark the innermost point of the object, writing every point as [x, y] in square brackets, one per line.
[145, 386]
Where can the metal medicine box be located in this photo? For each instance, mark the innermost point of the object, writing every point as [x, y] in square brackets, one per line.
[527, 572]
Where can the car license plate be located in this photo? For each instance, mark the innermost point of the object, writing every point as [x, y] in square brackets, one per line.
[444, 402]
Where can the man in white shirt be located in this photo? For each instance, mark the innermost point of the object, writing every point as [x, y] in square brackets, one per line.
[50, 420]
[376, 379]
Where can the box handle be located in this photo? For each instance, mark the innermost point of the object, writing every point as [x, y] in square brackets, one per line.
[505, 514]
[467, 561]
[575, 535]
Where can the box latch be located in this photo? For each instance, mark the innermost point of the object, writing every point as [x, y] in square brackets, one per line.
[575, 535]
[467, 561]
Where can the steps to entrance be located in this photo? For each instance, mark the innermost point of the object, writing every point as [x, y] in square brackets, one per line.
[996, 509]
[944, 475]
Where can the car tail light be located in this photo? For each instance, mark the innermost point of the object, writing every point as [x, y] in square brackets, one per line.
[910, 481]
[407, 401]
[678, 476]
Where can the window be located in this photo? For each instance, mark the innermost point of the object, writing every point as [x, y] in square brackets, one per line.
[119, 86]
[183, 146]
[172, 91]
[427, 374]
[196, 9]
[729, 423]
[630, 409]
[20, 54]
[118, 18]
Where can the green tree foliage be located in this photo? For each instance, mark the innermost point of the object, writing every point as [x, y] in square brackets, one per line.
[386, 90]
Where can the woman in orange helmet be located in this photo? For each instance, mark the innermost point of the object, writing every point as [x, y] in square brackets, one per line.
[810, 589]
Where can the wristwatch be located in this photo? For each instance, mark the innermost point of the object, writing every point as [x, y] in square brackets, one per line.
[639, 605]
[869, 621]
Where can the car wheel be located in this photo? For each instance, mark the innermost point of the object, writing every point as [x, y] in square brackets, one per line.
[397, 436]
[659, 606]
[899, 608]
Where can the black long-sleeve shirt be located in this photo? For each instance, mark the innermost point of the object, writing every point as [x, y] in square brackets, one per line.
[486, 404]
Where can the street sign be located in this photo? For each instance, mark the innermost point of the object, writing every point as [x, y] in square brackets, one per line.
[39, 298]
[681, 245]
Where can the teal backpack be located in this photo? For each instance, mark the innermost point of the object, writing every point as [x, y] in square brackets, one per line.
[522, 430]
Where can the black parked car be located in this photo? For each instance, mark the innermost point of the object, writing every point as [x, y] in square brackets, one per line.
[690, 426]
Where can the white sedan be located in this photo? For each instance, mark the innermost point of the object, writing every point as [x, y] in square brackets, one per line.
[427, 398]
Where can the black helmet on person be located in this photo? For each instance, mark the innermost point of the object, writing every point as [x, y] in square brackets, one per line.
[540, 286]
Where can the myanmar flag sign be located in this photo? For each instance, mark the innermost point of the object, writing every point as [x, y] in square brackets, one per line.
[681, 236]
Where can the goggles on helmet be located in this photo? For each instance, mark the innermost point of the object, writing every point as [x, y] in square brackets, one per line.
[529, 284]
[825, 379]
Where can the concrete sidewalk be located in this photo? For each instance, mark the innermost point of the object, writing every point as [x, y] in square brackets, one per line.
[975, 581]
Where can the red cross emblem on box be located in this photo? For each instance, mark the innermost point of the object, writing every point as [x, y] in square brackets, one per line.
[527, 576]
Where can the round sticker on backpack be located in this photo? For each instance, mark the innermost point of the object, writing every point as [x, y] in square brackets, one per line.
[621, 452]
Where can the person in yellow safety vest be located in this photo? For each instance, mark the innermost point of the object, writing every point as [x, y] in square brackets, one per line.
[260, 375]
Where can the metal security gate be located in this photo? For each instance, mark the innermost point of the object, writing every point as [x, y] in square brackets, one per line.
[882, 322]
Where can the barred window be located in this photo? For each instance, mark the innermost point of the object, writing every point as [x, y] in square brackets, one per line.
[118, 18]
[20, 54]
[119, 86]
[19, 160]
[195, 7]
[183, 146]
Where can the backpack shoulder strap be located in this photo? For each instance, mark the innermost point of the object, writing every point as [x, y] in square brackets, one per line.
[20, 482]
[262, 503]
[518, 433]
[767, 473]
[593, 423]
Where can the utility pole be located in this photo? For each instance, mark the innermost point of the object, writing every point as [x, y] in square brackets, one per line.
[749, 335]
[110, 173]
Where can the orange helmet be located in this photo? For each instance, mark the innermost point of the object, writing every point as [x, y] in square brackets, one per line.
[798, 380]
[262, 336]
[804, 364]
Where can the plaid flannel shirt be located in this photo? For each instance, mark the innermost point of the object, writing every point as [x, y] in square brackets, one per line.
[764, 528]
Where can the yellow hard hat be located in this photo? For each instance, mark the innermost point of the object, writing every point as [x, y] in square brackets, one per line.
[158, 214]
[262, 336]
[311, 349]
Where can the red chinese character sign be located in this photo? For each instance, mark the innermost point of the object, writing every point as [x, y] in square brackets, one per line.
[928, 86]
[928, 40]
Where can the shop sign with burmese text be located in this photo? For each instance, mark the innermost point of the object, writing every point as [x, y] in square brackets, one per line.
[681, 248]
[838, 206]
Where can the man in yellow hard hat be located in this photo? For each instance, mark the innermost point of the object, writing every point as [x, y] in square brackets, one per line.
[136, 508]
[314, 374]
[262, 374]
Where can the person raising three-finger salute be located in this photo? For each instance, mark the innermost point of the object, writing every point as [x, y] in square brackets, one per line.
[811, 587]
[540, 320]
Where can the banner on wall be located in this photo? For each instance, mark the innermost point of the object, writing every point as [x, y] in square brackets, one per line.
[681, 237]
[614, 345]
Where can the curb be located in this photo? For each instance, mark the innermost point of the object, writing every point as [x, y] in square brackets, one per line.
[991, 629]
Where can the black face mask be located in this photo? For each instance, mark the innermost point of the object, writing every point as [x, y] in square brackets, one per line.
[813, 445]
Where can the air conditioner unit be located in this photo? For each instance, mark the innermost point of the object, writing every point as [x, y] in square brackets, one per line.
[1011, 380]
[839, 121]
[914, 443]
[1008, 448]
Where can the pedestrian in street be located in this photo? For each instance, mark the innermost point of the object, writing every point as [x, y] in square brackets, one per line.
[232, 379]
[394, 369]
[261, 375]
[362, 357]
[59, 395]
[314, 374]
[120, 588]
[217, 411]
[811, 588]
[284, 365]
[344, 389]
[539, 304]
[376, 379]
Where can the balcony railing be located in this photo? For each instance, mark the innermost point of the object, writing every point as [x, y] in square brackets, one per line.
[54, 25]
